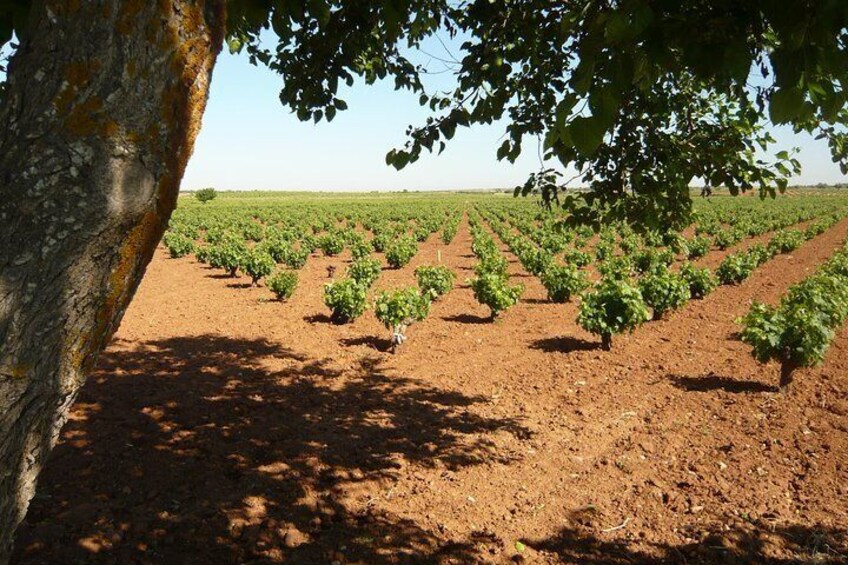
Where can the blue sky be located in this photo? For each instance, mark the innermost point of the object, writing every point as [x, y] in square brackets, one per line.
[250, 141]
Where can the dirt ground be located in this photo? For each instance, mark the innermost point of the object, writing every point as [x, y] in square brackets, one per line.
[224, 427]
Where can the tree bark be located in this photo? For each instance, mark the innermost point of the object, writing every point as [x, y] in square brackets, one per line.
[787, 372]
[103, 105]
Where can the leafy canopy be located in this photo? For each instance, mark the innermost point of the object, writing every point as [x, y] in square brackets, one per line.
[640, 96]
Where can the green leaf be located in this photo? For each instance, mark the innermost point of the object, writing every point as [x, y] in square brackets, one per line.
[503, 150]
[605, 103]
[618, 27]
[581, 80]
[587, 133]
[234, 43]
[785, 105]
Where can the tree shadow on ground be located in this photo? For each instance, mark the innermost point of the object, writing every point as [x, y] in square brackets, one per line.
[757, 543]
[711, 382]
[536, 301]
[380, 344]
[565, 344]
[217, 450]
[318, 319]
[468, 319]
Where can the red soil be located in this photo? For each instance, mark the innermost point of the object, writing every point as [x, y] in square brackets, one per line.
[224, 427]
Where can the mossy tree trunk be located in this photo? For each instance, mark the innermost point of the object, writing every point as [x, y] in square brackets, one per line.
[103, 105]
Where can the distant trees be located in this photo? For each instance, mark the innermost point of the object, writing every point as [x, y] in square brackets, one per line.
[206, 194]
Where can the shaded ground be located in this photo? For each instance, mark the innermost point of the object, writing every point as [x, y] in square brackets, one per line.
[223, 427]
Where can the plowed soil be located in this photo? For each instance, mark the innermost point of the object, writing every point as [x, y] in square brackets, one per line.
[224, 427]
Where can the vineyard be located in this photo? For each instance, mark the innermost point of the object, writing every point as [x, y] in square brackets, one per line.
[621, 279]
[469, 378]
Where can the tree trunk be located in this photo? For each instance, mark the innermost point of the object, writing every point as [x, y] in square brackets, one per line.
[103, 105]
[606, 342]
[787, 371]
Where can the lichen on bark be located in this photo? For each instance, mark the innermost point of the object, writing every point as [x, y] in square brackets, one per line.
[91, 157]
